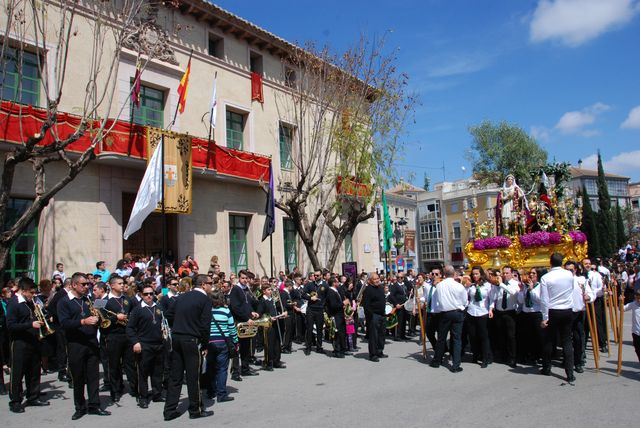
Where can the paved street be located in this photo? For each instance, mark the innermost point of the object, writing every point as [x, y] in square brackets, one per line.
[401, 391]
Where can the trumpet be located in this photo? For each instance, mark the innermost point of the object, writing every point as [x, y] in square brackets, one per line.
[166, 330]
[104, 322]
[123, 322]
[245, 330]
[46, 329]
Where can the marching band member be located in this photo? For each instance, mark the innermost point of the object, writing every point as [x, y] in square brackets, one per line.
[24, 329]
[335, 310]
[479, 311]
[288, 322]
[241, 303]
[144, 331]
[314, 293]
[81, 328]
[267, 306]
[373, 301]
[505, 298]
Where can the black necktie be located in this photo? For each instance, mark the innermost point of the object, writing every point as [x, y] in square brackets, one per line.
[504, 300]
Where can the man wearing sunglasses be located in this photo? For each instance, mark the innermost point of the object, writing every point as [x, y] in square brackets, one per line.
[144, 331]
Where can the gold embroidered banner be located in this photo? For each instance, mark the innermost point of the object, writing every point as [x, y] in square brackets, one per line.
[177, 169]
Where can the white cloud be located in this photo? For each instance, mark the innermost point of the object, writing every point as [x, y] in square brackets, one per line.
[633, 120]
[574, 22]
[574, 122]
[459, 64]
[540, 133]
[625, 163]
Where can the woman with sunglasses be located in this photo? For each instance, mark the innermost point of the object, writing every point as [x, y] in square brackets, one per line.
[478, 313]
[530, 317]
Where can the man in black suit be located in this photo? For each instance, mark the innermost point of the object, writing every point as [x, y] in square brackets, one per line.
[335, 309]
[242, 304]
[287, 305]
[397, 297]
[373, 301]
[190, 320]
[267, 306]
[25, 349]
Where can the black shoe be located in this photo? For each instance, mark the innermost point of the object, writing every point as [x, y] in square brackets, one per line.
[171, 416]
[17, 408]
[70, 385]
[115, 398]
[99, 412]
[158, 400]
[512, 364]
[78, 414]
[249, 373]
[143, 404]
[571, 378]
[36, 403]
[545, 371]
[224, 399]
[307, 352]
[236, 377]
[579, 369]
[105, 388]
[604, 349]
[286, 351]
[3, 389]
[375, 359]
[337, 355]
[320, 350]
[381, 355]
[268, 368]
[63, 377]
[455, 369]
[483, 365]
[280, 365]
[202, 414]
[434, 364]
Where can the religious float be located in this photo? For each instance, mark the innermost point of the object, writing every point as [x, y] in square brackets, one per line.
[525, 228]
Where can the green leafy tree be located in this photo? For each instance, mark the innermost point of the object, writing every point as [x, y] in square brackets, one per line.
[606, 228]
[589, 226]
[501, 149]
[621, 237]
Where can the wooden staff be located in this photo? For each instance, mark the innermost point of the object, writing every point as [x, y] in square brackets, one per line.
[422, 321]
[611, 317]
[616, 314]
[613, 306]
[605, 298]
[620, 334]
[594, 334]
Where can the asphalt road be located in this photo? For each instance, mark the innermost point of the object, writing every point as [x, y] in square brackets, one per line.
[400, 391]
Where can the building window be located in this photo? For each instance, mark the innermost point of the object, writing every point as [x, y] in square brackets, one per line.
[454, 208]
[151, 110]
[23, 255]
[286, 146]
[235, 130]
[456, 230]
[255, 63]
[21, 80]
[216, 46]
[432, 251]
[290, 77]
[431, 230]
[397, 211]
[290, 245]
[238, 227]
[348, 248]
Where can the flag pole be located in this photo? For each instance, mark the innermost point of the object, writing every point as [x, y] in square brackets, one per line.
[211, 114]
[271, 253]
[163, 258]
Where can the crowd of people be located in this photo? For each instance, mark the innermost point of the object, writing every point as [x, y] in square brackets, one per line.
[159, 330]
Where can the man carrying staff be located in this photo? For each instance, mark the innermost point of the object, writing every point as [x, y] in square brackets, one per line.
[242, 303]
[556, 298]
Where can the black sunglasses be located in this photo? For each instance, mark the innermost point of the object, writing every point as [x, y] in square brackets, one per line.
[148, 294]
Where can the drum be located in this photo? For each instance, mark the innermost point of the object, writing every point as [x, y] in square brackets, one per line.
[392, 318]
[361, 313]
[410, 305]
[388, 308]
[303, 308]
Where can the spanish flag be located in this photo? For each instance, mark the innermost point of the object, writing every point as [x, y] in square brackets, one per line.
[184, 85]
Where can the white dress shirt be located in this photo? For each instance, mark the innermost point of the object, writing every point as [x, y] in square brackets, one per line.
[581, 288]
[535, 299]
[481, 308]
[556, 290]
[595, 281]
[497, 293]
[426, 289]
[634, 307]
[450, 295]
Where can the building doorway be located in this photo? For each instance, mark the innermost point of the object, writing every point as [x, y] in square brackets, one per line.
[148, 240]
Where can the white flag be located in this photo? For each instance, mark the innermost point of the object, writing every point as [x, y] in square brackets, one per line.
[149, 193]
[214, 106]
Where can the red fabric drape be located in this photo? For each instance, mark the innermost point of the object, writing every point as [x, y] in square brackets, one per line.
[256, 88]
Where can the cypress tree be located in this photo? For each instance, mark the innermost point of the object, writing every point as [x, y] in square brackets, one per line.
[589, 225]
[620, 235]
[606, 229]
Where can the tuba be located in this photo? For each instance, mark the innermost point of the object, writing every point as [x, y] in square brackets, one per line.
[95, 312]
[330, 325]
[245, 330]
[46, 329]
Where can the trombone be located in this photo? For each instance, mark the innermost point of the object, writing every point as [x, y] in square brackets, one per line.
[46, 329]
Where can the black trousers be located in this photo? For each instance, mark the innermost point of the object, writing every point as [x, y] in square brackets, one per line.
[245, 353]
[479, 337]
[150, 365]
[104, 360]
[636, 344]
[61, 350]
[340, 338]
[287, 337]
[299, 326]
[401, 328]
[185, 357]
[530, 335]
[120, 353]
[376, 330]
[274, 346]
[560, 321]
[577, 331]
[432, 320]
[25, 364]
[314, 318]
[506, 334]
[84, 367]
[450, 322]
[601, 326]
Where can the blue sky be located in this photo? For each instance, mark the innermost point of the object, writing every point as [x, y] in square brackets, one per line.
[566, 71]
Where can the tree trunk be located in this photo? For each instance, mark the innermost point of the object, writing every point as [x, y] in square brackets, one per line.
[4, 259]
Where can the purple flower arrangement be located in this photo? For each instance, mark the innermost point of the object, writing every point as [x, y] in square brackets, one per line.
[492, 243]
[540, 239]
[578, 237]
